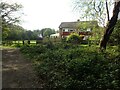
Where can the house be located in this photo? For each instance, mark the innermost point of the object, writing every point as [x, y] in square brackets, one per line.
[80, 27]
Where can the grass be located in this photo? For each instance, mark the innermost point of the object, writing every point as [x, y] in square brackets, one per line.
[7, 47]
[20, 41]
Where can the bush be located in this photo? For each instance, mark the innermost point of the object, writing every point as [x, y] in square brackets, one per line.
[115, 36]
[75, 67]
[74, 38]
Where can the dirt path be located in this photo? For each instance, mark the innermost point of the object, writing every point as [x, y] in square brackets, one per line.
[16, 71]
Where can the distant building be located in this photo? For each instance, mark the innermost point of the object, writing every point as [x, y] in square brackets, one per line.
[56, 35]
[80, 27]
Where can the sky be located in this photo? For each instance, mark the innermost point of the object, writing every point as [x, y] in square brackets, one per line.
[40, 14]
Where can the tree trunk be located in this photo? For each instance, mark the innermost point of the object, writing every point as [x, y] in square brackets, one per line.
[23, 42]
[28, 41]
[108, 16]
[110, 26]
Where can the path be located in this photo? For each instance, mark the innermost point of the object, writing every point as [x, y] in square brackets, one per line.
[17, 72]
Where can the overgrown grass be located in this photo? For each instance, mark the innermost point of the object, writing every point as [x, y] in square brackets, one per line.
[75, 66]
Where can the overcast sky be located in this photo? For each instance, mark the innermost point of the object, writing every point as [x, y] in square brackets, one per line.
[46, 13]
[40, 14]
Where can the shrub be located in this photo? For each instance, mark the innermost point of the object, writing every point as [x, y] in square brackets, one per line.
[74, 38]
[75, 67]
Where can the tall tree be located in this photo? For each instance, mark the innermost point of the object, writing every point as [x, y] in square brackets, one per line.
[111, 25]
[9, 15]
[95, 9]
[15, 33]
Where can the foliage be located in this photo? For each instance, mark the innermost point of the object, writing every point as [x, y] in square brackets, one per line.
[84, 25]
[110, 26]
[94, 9]
[8, 16]
[74, 38]
[17, 32]
[115, 36]
[46, 32]
[5, 31]
[8, 12]
[75, 67]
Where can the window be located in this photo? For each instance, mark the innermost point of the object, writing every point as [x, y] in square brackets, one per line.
[71, 30]
[89, 29]
[65, 30]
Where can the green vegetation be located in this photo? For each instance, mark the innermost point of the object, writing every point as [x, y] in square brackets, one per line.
[68, 64]
[46, 32]
[115, 37]
[8, 17]
[94, 9]
[75, 66]
[74, 38]
[11, 29]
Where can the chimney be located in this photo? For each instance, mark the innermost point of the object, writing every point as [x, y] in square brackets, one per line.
[78, 20]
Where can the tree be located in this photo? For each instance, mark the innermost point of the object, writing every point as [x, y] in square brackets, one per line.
[8, 12]
[46, 32]
[111, 25]
[8, 16]
[37, 33]
[94, 10]
[15, 32]
[115, 36]
[29, 34]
